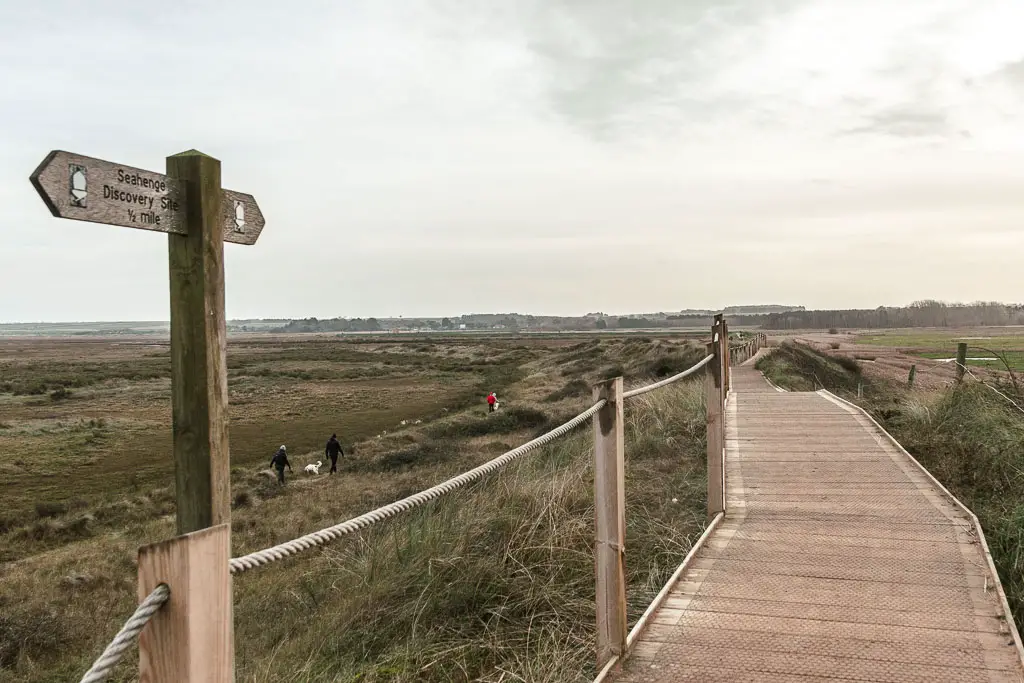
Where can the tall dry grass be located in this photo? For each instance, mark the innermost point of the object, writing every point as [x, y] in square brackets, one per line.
[492, 583]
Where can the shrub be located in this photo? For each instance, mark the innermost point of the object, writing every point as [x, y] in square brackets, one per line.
[849, 364]
[30, 632]
[45, 509]
[575, 387]
[672, 364]
[612, 372]
[833, 330]
[504, 421]
[60, 393]
[799, 368]
[834, 345]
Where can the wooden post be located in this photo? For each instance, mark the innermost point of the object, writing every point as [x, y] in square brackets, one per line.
[715, 430]
[199, 387]
[190, 639]
[961, 361]
[610, 522]
[723, 327]
[910, 377]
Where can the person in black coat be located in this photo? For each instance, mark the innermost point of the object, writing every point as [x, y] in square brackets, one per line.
[280, 461]
[332, 451]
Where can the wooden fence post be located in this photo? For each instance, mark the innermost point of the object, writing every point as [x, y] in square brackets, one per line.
[715, 429]
[195, 641]
[199, 382]
[725, 353]
[189, 639]
[961, 361]
[610, 522]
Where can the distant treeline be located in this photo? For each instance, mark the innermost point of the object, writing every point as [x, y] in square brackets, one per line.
[918, 314]
[332, 325]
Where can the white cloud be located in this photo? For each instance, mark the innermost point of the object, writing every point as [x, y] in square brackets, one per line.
[434, 157]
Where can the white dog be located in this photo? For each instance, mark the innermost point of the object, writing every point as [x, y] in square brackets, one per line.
[314, 469]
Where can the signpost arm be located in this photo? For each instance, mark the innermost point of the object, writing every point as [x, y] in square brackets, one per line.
[199, 388]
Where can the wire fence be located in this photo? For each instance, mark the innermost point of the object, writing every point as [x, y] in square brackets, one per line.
[975, 377]
[115, 651]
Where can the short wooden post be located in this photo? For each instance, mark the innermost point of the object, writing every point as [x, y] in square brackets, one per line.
[961, 361]
[610, 522]
[199, 386]
[190, 639]
[910, 377]
[715, 431]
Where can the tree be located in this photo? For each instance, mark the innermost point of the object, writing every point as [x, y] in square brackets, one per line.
[602, 324]
[446, 324]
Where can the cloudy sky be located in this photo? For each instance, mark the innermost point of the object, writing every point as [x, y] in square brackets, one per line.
[431, 157]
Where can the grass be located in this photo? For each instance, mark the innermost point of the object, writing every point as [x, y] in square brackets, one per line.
[929, 344]
[799, 368]
[492, 583]
[967, 436]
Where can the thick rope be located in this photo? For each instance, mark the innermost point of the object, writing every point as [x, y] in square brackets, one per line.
[124, 639]
[283, 550]
[669, 380]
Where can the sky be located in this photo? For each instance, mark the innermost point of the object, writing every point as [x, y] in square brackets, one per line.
[437, 157]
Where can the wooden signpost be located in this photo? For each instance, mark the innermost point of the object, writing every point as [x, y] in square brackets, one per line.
[198, 215]
[87, 189]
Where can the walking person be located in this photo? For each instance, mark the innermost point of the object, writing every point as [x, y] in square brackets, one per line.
[332, 451]
[492, 400]
[280, 461]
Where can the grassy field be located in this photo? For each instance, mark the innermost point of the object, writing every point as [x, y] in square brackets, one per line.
[494, 583]
[1006, 343]
[966, 435]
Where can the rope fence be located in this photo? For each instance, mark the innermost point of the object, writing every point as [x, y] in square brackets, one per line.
[125, 638]
[114, 652]
[665, 382]
[283, 550]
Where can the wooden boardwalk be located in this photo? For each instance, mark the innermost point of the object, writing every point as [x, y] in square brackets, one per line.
[838, 559]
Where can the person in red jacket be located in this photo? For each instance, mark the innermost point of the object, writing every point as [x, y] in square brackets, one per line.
[491, 401]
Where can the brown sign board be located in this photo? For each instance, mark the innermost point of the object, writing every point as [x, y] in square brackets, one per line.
[86, 189]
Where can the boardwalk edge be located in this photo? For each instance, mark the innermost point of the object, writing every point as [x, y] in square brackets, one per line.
[970, 514]
[642, 622]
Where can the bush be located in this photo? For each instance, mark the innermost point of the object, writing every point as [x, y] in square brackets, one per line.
[45, 509]
[612, 372]
[573, 388]
[418, 455]
[60, 393]
[834, 345]
[800, 368]
[672, 364]
[29, 632]
[504, 421]
[849, 364]
[833, 330]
